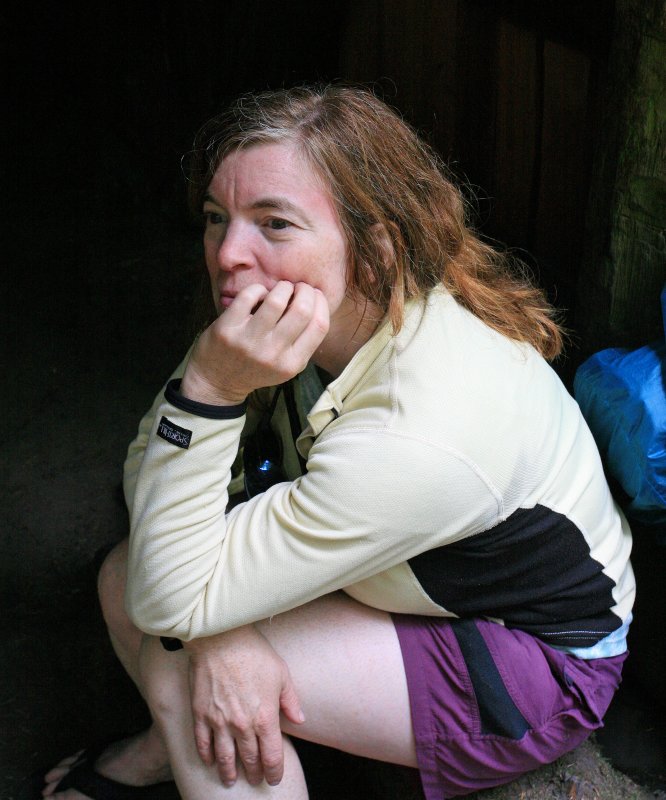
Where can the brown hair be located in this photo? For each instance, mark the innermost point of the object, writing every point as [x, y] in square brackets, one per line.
[379, 171]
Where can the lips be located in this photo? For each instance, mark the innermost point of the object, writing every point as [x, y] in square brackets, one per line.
[226, 298]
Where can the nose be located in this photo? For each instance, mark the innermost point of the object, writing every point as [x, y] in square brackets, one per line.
[234, 248]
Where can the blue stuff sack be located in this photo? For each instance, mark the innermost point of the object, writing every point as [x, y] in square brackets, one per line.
[622, 394]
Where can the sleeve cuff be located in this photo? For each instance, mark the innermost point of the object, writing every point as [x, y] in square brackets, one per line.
[172, 395]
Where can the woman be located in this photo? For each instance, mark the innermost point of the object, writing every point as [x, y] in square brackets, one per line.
[449, 486]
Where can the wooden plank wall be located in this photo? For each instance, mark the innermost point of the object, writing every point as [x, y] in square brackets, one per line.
[507, 93]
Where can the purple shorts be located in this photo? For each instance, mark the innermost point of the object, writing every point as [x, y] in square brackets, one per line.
[489, 703]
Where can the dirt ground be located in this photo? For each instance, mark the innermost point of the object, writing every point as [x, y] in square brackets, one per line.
[95, 324]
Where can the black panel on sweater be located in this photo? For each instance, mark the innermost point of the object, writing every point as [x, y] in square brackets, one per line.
[534, 571]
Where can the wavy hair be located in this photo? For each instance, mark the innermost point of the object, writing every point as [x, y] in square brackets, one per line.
[380, 173]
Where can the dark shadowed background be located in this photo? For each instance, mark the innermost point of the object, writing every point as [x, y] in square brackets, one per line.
[102, 263]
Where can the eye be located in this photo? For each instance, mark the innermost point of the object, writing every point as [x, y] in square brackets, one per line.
[277, 224]
[213, 218]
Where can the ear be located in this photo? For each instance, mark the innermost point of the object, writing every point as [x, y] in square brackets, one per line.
[384, 244]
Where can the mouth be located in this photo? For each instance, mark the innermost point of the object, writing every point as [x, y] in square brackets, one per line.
[226, 299]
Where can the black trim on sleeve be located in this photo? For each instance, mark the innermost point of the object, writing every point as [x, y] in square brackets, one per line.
[173, 396]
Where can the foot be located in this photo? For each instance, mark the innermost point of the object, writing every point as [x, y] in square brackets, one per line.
[137, 761]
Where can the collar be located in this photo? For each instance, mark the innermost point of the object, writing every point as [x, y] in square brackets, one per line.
[330, 403]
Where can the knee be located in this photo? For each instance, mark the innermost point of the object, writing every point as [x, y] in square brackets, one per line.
[111, 583]
[164, 681]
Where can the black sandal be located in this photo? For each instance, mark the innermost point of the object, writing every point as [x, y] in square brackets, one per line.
[83, 777]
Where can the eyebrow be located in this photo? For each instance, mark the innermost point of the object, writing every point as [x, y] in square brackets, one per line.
[276, 203]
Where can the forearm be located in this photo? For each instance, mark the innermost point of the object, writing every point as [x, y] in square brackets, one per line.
[137, 446]
[178, 514]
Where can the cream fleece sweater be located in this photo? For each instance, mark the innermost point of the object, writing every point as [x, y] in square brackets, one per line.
[448, 473]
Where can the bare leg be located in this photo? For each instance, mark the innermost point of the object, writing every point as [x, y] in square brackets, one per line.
[125, 636]
[346, 664]
[168, 696]
[142, 759]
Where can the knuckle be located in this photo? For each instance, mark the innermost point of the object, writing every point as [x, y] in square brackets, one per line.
[284, 374]
[321, 324]
[202, 742]
[301, 307]
[265, 723]
[226, 759]
[274, 302]
[239, 722]
[272, 761]
[267, 359]
[208, 718]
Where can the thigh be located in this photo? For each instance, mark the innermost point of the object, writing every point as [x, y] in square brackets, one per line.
[347, 667]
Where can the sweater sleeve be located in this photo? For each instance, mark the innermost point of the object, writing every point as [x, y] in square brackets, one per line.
[196, 571]
[137, 446]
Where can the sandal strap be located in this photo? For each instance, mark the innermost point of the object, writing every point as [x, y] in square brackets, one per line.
[85, 779]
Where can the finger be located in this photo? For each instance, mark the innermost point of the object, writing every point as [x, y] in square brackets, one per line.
[290, 705]
[243, 304]
[203, 742]
[315, 332]
[272, 756]
[250, 756]
[225, 758]
[298, 315]
[274, 305]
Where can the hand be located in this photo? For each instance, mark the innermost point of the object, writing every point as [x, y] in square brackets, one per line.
[238, 685]
[262, 339]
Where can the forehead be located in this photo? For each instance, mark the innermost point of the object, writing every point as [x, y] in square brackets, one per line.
[267, 170]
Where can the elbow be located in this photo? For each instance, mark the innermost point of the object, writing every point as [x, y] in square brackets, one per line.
[139, 616]
[152, 619]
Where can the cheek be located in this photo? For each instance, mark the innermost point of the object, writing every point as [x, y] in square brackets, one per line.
[209, 256]
[331, 274]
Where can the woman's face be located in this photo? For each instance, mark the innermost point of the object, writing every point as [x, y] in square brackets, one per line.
[269, 218]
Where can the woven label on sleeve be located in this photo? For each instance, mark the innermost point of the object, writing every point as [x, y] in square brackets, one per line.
[173, 433]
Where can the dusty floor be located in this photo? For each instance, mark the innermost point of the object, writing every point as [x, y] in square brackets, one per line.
[95, 323]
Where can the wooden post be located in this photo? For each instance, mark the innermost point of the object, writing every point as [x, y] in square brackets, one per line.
[624, 262]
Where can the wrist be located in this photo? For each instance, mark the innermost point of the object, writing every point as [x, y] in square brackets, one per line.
[174, 395]
[235, 636]
[195, 387]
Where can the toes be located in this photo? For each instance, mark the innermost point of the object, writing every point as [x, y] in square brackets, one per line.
[62, 768]
[50, 788]
[55, 775]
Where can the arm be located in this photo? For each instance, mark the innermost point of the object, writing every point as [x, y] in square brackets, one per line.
[195, 571]
[238, 683]
[263, 338]
[138, 445]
